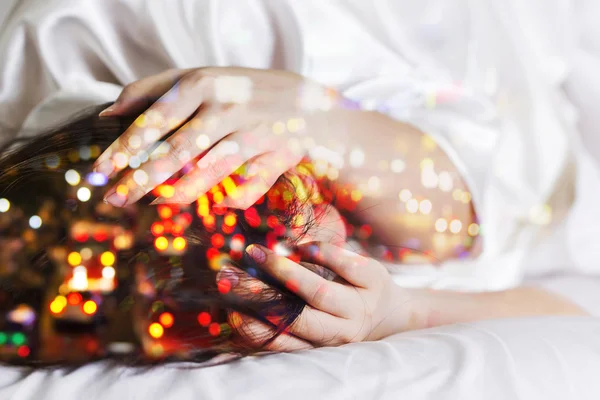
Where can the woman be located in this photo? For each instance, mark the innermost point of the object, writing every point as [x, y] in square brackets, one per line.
[192, 273]
[514, 214]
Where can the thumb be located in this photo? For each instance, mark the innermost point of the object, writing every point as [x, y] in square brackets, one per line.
[139, 95]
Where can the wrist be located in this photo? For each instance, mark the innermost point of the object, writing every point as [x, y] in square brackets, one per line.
[406, 311]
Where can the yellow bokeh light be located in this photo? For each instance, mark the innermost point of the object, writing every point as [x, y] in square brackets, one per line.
[356, 195]
[61, 301]
[107, 258]
[56, 308]
[218, 197]
[90, 307]
[473, 230]
[230, 219]
[74, 259]
[156, 330]
[122, 190]
[161, 243]
[167, 191]
[58, 305]
[179, 243]
[141, 121]
[229, 185]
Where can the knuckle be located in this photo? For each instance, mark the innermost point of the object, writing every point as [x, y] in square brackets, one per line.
[180, 148]
[125, 147]
[218, 168]
[321, 295]
[131, 89]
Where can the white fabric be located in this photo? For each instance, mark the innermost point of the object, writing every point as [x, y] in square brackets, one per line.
[528, 359]
[485, 78]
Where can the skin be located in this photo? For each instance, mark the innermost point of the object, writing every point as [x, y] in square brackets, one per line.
[364, 304]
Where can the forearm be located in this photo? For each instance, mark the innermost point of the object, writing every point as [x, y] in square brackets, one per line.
[431, 308]
[407, 183]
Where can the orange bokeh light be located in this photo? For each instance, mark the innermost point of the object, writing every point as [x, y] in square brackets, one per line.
[74, 298]
[157, 229]
[166, 319]
[165, 212]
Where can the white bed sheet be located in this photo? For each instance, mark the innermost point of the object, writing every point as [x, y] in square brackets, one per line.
[533, 358]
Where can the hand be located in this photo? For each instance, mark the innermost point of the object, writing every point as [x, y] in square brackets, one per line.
[258, 119]
[364, 305]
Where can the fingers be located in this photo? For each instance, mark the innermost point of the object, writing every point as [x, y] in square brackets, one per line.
[232, 280]
[173, 154]
[263, 172]
[221, 161]
[167, 114]
[138, 96]
[326, 296]
[354, 268]
[312, 325]
[254, 333]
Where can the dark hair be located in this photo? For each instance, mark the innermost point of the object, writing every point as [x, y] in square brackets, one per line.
[32, 177]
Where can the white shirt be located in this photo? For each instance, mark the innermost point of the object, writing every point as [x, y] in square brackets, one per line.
[508, 89]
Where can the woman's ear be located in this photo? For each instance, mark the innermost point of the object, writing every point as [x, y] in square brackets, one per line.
[327, 226]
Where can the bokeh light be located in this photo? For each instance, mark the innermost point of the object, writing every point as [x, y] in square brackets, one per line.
[108, 272]
[72, 177]
[179, 243]
[4, 205]
[35, 222]
[90, 307]
[74, 259]
[107, 258]
[156, 330]
[161, 243]
[84, 194]
[166, 319]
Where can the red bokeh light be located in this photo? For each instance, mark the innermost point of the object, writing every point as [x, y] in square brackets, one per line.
[23, 351]
[100, 236]
[204, 318]
[214, 329]
[224, 286]
[212, 253]
[217, 240]
[74, 298]
[82, 237]
[252, 217]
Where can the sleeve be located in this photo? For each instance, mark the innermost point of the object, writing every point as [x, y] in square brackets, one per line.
[469, 76]
[70, 48]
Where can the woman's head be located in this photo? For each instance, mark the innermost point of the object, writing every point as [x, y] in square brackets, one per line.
[87, 263]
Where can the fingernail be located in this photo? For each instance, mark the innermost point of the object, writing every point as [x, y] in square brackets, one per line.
[107, 111]
[229, 274]
[256, 253]
[106, 167]
[116, 200]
